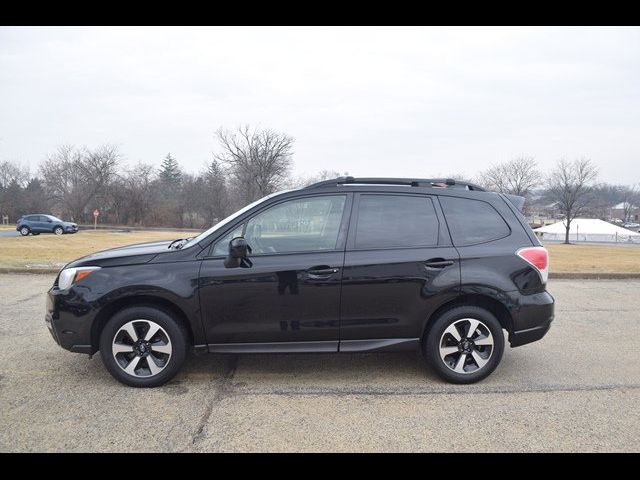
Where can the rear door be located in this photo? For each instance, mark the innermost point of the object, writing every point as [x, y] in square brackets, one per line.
[40, 224]
[399, 267]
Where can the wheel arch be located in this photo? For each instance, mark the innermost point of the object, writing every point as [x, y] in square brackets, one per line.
[489, 303]
[152, 301]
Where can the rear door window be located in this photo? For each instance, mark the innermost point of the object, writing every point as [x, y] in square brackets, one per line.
[472, 221]
[395, 221]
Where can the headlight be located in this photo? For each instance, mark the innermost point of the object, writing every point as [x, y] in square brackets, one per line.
[69, 276]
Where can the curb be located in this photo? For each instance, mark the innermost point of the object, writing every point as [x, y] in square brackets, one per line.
[29, 270]
[125, 228]
[594, 275]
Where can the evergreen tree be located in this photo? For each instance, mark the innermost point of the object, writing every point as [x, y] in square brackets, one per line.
[13, 201]
[35, 198]
[170, 174]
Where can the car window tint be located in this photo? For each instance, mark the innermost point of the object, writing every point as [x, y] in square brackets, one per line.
[386, 221]
[300, 225]
[472, 221]
[221, 247]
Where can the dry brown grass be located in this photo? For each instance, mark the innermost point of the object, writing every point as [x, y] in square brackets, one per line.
[52, 251]
[594, 258]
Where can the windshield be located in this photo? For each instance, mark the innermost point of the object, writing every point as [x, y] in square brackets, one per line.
[230, 218]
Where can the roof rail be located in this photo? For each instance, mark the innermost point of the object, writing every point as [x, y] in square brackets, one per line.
[411, 182]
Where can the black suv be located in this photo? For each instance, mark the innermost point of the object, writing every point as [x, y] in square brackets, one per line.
[344, 265]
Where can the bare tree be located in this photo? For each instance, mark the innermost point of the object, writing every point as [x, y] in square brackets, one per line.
[74, 177]
[303, 181]
[258, 161]
[517, 177]
[569, 186]
[630, 200]
[11, 171]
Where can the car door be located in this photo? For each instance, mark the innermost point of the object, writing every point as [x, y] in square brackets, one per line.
[29, 221]
[40, 224]
[399, 267]
[288, 299]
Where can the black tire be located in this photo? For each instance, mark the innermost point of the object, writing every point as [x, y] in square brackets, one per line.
[176, 335]
[58, 230]
[34, 234]
[436, 335]
[24, 231]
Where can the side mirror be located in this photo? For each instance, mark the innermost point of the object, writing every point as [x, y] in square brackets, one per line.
[49, 220]
[239, 251]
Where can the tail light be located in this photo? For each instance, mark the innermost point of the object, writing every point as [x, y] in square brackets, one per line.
[538, 258]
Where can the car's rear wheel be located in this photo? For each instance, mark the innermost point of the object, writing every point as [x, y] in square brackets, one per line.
[58, 231]
[24, 231]
[465, 344]
[143, 346]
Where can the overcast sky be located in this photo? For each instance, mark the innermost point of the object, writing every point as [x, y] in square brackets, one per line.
[370, 101]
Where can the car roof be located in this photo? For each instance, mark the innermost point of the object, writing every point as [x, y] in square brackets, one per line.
[401, 182]
[430, 186]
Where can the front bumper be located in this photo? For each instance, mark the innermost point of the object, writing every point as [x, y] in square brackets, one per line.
[71, 229]
[69, 319]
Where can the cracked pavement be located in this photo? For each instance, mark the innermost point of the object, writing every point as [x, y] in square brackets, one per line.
[578, 389]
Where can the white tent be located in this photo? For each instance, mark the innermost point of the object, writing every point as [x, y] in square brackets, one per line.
[588, 230]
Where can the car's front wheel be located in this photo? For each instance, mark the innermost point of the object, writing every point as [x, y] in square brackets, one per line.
[24, 231]
[465, 344]
[58, 231]
[143, 346]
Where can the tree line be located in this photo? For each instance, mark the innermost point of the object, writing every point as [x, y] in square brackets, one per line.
[250, 164]
[73, 181]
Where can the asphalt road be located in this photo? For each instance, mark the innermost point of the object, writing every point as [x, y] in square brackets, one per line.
[9, 233]
[576, 390]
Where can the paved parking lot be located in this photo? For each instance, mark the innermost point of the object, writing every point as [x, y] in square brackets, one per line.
[576, 390]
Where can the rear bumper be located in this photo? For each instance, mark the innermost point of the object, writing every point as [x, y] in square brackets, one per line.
[532, 318]
[523, 337]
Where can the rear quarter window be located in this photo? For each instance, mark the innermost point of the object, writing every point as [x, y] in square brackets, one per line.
[473, 221]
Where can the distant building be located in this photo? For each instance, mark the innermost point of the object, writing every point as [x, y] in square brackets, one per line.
[617, 211]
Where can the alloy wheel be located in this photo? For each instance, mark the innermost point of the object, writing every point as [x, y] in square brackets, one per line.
[141, 348]
[466, 345]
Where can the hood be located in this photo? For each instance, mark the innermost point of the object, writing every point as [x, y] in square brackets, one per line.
[127, 255]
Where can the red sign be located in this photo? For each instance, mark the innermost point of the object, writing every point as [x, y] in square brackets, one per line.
[96, 212]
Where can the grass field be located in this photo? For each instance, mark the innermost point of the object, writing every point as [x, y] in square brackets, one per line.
[50, 251]
[594, 258]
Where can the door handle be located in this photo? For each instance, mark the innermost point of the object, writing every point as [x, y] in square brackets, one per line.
[438, 263]
[322, 271]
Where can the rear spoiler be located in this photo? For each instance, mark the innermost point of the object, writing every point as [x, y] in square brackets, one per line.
[516, 200]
